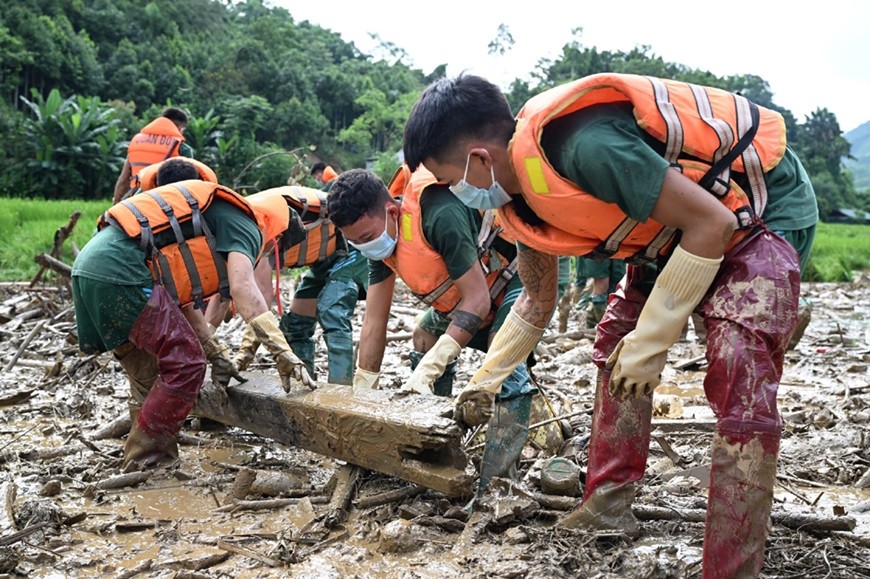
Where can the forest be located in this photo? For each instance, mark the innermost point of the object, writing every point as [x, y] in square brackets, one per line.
[266, 94]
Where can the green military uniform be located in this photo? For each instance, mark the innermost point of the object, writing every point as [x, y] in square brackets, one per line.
[337, 283]
[112, 283]
[451, 229]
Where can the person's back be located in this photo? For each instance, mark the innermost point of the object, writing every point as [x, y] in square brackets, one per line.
[157, 141]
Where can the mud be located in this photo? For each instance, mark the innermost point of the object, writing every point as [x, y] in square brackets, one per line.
[171, 525]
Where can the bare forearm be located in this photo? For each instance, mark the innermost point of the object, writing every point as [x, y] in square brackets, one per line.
[197, 322]
[372, 344]
[246, 295]
[539, 273]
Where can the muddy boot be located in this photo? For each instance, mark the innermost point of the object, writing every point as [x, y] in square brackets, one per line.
[443, 386]
[299, 332]
[506, 436]
[805, 314]
[618, 449]
[565, 303]
[162, 331]
[699, 327]
[595, 310]
[141, 370]
[607, 508]
[738, 504]
[335, 306]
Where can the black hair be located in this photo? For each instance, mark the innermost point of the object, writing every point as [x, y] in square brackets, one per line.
[354, 194]
[452, 110]
[176, 115]
[175, 170]
[317, 167]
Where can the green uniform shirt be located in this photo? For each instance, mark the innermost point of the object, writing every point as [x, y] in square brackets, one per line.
[112, 256]
[451, 229]
[603, 150]
[111, 282]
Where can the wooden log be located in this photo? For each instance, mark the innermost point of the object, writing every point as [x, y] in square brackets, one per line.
[267, 504]
[51, 260]
[56, 265]
[23, 346]
[389, 497]
[412, 437]
[799, 521]
[117, 428]
[123, 480]
[8, 490]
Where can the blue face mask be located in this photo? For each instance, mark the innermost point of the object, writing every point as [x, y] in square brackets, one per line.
[475, 197]
[379, 248]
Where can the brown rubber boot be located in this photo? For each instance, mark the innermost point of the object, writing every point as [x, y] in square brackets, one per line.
[738, 504]
[141, 369]
[608, 508]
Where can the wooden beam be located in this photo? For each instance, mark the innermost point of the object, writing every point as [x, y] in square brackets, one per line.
[410, 437]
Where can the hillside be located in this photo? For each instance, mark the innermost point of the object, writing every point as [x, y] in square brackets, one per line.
[859, 139]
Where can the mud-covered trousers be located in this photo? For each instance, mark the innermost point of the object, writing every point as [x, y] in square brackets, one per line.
[749, 314]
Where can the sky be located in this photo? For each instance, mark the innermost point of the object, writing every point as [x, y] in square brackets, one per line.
[812, 54]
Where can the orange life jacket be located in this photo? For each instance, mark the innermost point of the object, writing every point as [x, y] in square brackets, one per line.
[157, 141]
[707, 133]
[329, 174]
[147, 178]
[321, 240]
[422, 268]
[189, 267]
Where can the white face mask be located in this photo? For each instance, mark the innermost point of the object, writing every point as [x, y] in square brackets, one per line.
[475, 197]
[379, 248]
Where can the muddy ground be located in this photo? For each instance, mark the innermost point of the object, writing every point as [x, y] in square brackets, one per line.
[61, 514]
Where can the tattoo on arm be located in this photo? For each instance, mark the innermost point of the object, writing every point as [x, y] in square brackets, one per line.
[539, 273]
[467, 321]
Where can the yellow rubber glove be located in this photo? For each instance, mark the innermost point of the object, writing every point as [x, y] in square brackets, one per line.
[366, 379]
[289, 366]
[512, 344]
[247, 350]
[222, 368]
[432, 365]
[639, 358]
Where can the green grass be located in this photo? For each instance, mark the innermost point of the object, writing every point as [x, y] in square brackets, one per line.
[28, 227]
[839, 251]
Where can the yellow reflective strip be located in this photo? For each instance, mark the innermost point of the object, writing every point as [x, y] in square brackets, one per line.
[407, 226]
[535, 172]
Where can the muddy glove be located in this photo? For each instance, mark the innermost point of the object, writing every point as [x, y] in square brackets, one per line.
[247, 350]
[511, 346]
[432, 365]
[222, 368]
[289, 366]
[639, 358]
[366, 379]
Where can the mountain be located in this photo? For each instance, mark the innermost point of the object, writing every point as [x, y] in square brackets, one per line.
[859, 138]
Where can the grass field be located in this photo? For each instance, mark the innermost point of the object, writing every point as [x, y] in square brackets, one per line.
[28, 228]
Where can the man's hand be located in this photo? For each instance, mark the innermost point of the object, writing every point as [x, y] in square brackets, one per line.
[511, 346]
[247, 350]
[289, 366]
[474, 407]
[432, 365]
[222, 368]
[639, 358]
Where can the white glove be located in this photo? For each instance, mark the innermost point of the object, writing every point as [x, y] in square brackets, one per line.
[366, 379]
[639, 358]
[511, 346]
[432, 365]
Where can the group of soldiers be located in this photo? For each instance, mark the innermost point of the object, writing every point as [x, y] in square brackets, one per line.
[693, 187]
